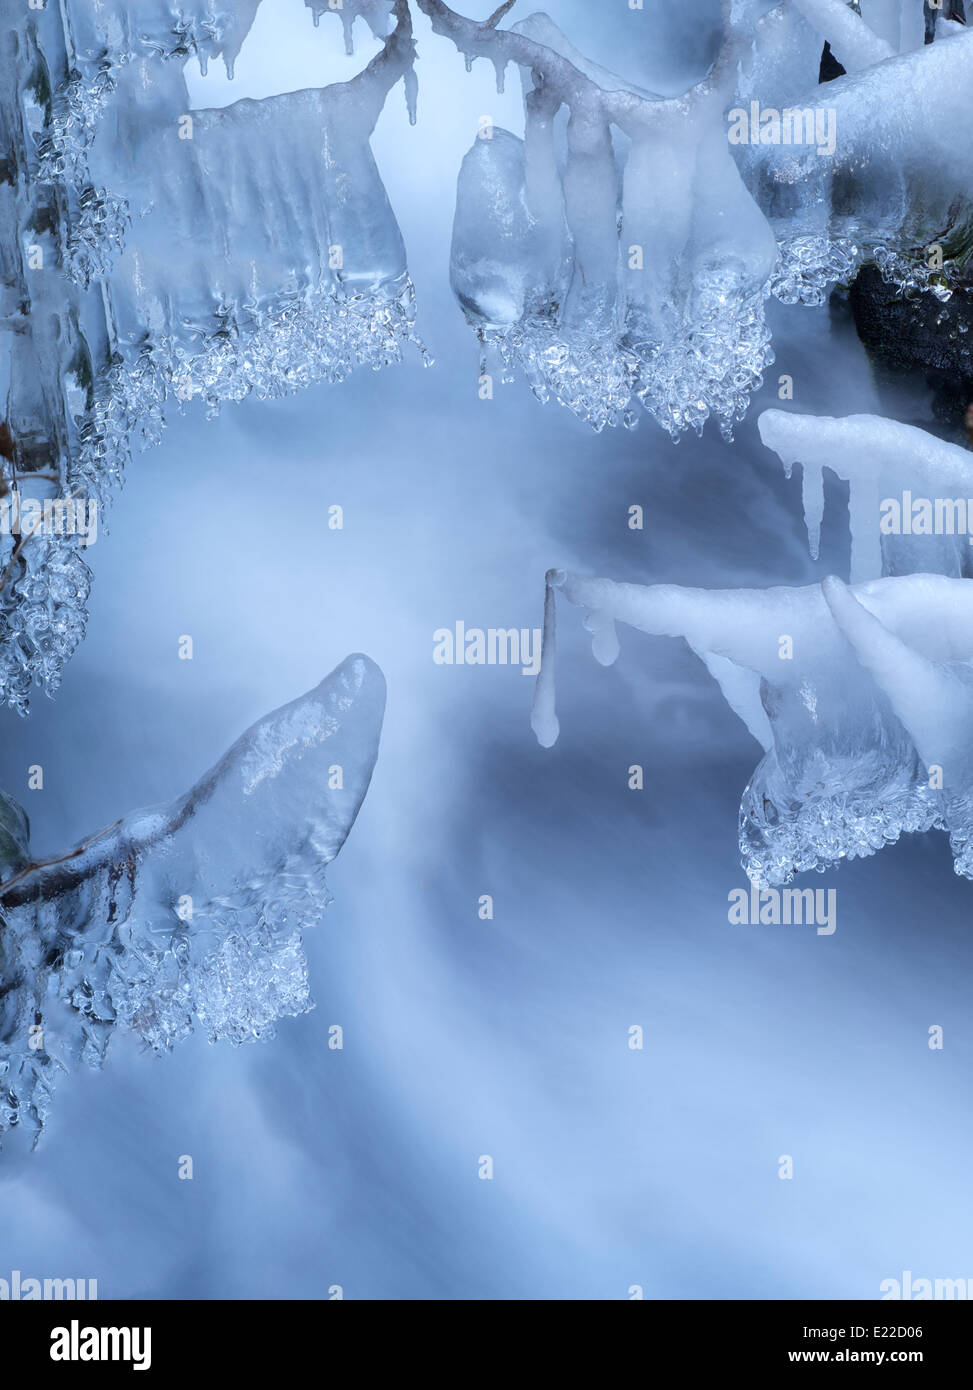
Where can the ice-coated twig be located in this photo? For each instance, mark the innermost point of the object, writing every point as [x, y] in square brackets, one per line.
[375, 13]
[852, 41]
[933, 699]
[884, 178]
[185, 914]
[661, 305]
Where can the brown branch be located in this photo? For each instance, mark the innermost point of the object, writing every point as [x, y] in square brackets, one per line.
[60, 859]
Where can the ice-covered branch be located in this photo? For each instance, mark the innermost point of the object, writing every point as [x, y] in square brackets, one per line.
[889, 467]
[185, 914]
[869, 168]
[612, 291]
[859, 745]
[153, 254]
[852, 41]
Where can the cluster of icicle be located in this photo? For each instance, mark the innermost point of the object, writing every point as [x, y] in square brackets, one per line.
[622, 256]
[155, 255]
[171, 919]
[861, 695]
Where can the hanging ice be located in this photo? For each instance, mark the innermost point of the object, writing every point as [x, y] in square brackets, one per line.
[854, 748]
[262, 253]
[187, 913]
[151, 252]
[891, 468]
[611, 289]
[375, 13]
[932, 695]
[892, 181]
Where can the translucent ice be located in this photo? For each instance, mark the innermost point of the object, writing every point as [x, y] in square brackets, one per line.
[897, 182]
[854, 42]
[185, 914]
[375, 13]
[849, 739]
[103, 34]
[289, 264]
[613, 288]
[150, 255]
[932, 695]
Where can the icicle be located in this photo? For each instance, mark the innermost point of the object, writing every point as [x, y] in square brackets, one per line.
[812, 497]
[882, 461]
[604, 637]
[543, 716]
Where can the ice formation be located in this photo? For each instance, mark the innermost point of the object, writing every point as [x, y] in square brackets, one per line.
[856, 751]
[612, 289]
[895, 190]
[190, 913]
[620, 259]
[375, 13]
[153, 254]
[620, 253]
[883, 461]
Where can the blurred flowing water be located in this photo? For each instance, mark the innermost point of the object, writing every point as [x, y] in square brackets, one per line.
[316, 1168]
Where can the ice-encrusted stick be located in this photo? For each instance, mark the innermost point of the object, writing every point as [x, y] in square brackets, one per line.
[267, 796]
[187, 913]
[933, 699]
[743, 628]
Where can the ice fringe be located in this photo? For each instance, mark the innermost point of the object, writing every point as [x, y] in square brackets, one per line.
[186, 914]
[857, 749]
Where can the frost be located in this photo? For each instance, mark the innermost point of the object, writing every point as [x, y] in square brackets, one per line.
[187, 914]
